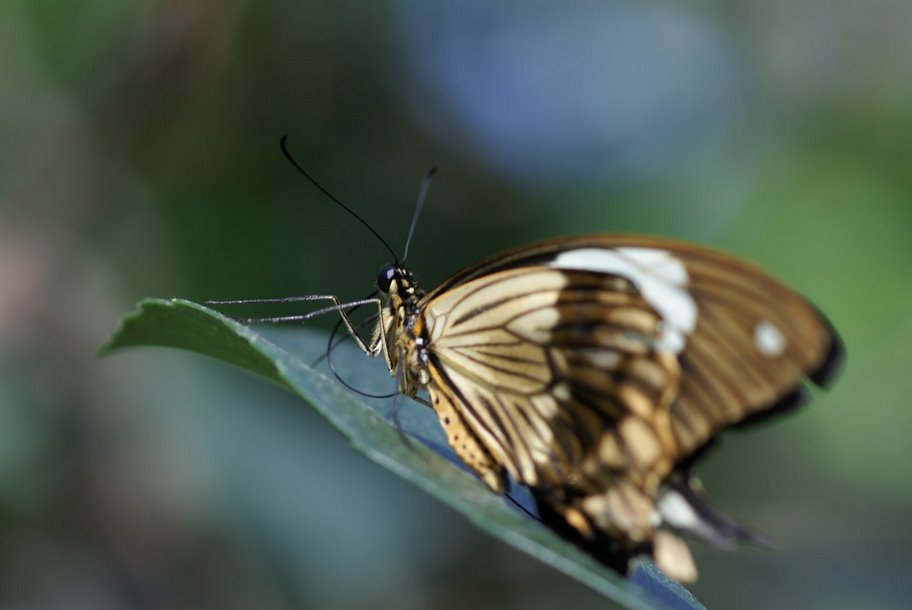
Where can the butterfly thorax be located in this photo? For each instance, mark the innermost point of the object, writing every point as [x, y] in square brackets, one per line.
[404, 329]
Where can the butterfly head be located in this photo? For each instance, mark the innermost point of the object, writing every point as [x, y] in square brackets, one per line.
[398, 283]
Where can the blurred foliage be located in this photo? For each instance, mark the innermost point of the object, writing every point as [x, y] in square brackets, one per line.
[139, 157]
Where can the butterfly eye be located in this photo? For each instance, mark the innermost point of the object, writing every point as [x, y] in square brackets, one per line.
[385, 278]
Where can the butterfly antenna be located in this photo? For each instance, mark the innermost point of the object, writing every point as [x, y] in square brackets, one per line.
[284, 145]
[422, 195]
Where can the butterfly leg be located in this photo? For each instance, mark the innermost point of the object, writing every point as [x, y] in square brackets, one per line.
[376, 345]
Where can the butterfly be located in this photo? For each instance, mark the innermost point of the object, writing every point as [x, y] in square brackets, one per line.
[595, 370]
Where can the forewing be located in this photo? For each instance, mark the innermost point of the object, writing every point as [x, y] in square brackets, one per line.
[554, 345]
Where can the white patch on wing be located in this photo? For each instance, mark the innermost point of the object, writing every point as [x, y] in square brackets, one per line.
[660, 277]
[674, 510]
[769, 339]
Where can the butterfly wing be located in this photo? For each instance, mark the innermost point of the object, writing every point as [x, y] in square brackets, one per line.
[591, 369]
[745, 341]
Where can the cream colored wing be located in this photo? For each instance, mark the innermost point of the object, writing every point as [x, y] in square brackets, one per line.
[558, 375]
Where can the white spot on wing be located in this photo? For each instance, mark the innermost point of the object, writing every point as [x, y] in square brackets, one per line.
[660, 277]
[769, 339]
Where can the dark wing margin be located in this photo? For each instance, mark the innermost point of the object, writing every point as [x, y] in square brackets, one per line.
[832, 363]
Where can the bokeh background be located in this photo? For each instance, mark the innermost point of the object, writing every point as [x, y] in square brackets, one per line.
[139, 157]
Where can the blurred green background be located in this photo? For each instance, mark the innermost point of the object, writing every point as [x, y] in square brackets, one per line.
[139, 157]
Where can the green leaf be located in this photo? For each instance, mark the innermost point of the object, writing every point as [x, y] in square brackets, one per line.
[186, 325]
